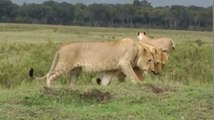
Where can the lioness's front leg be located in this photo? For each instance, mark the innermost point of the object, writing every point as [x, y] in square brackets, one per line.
[121, 76]
[129, 72]
[139, 74]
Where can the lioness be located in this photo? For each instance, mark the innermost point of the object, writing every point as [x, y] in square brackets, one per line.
[105, 78]
[123, 55]
[166, 44]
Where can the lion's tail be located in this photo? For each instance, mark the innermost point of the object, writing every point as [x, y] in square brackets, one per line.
[31, 74]
[55, 60]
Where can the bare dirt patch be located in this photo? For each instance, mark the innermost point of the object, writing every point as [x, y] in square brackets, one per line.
[159, 88]
[91, 95]
[96, 95]
[162, 89]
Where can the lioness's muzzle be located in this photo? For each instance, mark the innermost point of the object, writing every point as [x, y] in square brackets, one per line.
[155, 72]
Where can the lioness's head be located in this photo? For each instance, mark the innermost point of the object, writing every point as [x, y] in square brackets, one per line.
[160, 59]
[141, 35]
[156, 56]
[145, 59]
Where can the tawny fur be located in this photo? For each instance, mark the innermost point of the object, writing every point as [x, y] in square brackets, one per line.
[122, 55]
[159, 63]
[166, 44]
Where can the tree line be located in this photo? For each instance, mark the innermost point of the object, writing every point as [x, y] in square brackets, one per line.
[137, 14]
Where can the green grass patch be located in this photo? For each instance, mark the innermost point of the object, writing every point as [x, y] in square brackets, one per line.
[125, 102]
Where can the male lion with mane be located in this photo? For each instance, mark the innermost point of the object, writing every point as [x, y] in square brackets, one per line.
[122, 55]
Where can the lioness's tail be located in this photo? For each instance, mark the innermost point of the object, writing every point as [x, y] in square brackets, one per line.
[31, 71]
[55, 60]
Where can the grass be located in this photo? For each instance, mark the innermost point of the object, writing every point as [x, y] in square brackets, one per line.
[150, 101]
[183, 91]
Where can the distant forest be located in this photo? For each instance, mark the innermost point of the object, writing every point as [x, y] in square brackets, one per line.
[138, 14]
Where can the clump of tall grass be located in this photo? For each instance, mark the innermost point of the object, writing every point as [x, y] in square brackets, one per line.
[17, 59]
[189, 64]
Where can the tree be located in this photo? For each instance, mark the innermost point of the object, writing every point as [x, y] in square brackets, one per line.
[138, 14]
[65, 13]
[8, 11]
[79, 14]
[98, 14]
[122, 13]
[143, 3]
[131, 12]
[112, 11]
[178, 17]
[195, 16]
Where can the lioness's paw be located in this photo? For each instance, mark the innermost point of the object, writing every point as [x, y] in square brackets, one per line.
[134, 81]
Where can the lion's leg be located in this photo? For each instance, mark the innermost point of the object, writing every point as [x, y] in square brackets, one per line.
[103, 78]
[99, 77]
[54, 74]
[51, 77]
[139, 74]
[121, 76]
[107, 77]
[129, 72]
[74, 76]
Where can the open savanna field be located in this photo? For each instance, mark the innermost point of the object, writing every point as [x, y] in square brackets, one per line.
[182, 92]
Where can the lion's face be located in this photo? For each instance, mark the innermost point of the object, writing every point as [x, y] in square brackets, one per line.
[159, 60]
[146, 60]
[159, 56]
[141, 35]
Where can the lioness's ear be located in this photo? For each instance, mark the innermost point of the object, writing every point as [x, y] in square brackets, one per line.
[138, 33]
[144, 33]
[156, 51]
[144, 50]
[153, 50]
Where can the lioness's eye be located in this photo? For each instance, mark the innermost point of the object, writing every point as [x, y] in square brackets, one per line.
[150, 60]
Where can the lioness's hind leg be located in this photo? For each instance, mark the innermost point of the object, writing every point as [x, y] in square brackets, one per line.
[51, 77]
[99, 77]
[54, 74]
[107, 77]
[74, 76]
